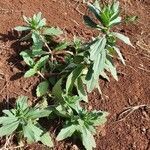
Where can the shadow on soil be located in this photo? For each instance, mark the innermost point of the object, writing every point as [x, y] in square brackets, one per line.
[14, 59]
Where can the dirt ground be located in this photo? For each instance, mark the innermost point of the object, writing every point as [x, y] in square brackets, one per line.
[122, 132]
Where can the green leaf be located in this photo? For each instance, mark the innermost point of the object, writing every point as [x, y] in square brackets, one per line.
[66, 132]
[30, 73]
[89, 22]
[99, 64]
[57, 90]
[37, 39]
[104, 19]
[115, 6]
[115, 21]
[111, 68]
[52, 31]
[87, 139]
[26, 57]
[72, 102]
[28, 133]
[119, 54]
[101, 120]
[42, 88]
[98, 46]
[22, 28]
[8, 113]
[122, 37]
[95, 11]
[32, 132]
[80, 89]
[8, 129]
[8, 120]
[91, 82]
[41, 23]
[61, 46]
[38, 113]
[38, 16]
[36, 131]
[97, 5]
[72, 77]
[46, 140]
[22, 103]
[41, 62]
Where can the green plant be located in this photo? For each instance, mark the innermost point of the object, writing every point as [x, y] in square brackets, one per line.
[79, 122]
[103, 47]
[22, 120]
[70, 70]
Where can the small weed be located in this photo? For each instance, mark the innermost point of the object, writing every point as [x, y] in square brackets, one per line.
[22, 120]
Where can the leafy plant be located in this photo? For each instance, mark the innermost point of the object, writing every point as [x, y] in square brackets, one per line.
[103, 47]
[22, 120]
[79, 122]
[71, 70]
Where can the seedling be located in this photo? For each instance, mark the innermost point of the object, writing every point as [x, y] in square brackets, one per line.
[23, 121]
[79, 122]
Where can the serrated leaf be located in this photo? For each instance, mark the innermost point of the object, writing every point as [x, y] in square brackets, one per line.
[119, 54]
[28, 133]
[122, 37]
[22, 28]
[42, 88]
[30, 73]
[46, 140]
[36, 131]
[66, 132]
[8, 129]
[52, 31]
[87, 139]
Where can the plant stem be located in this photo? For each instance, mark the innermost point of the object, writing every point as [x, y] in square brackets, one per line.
[50, 51]
[41, 75]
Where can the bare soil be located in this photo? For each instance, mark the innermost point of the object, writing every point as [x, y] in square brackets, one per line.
[122, 132]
